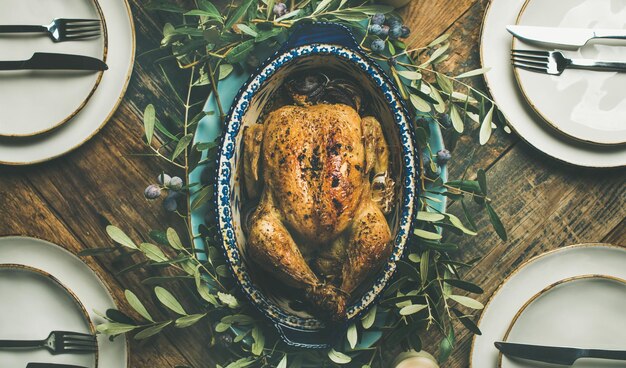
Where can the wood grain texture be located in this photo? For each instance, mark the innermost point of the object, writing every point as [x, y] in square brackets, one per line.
[544, 204]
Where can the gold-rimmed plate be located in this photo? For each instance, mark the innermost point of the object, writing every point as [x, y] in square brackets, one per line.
[531, 278]
[77, 277]
[588, 106]
[495, 53]
[585, 311]
[34, 102]
[102, 104]
[33, 304]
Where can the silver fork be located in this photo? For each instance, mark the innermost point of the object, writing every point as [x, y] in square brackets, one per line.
[554, 63]
[58, 342]
[61, 29]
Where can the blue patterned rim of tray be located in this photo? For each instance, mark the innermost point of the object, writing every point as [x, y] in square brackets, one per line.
[209, 128]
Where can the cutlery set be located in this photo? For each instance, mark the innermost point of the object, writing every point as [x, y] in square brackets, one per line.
[58, 342]
[59, 30]
[554, 62]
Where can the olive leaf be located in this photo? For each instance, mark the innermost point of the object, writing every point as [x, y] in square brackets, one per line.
[114, 328]
[457, 121]
[151, 331]
[202, 197]
[149, 118]
[473, 73]
[411, 75]
[369, 318]
[446, 345]
[283, 362]
[352, 335]
[459, 225]
[419, 103]
[467, 322]
[137, 305]
[167, 299]
[120, 237]
[429, 216]
[183, 143]
[424, 267]
[238, 13]
[467, 301]
[412, 309]
[189, 320]
[173, 239]
[495, 221]
[259, 341]
[338, 357]
[438, 40]
[485, 127]
[153, 252]
[426, 234]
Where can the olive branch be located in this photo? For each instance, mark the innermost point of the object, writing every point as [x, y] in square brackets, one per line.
[427, 291]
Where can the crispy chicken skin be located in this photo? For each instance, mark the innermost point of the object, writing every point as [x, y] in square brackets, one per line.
[320, 225]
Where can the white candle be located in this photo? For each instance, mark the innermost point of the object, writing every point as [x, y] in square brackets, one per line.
[413, 359]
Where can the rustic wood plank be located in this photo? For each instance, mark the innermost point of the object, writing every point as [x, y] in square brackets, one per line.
[429, 19]
[618, 235]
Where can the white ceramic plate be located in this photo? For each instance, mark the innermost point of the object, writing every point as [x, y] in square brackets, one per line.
[495, 51]
[533, 277]
[585, 312]
[586, 105]
[77, 277]
[103, 102]
[59, 95]
[33, 304]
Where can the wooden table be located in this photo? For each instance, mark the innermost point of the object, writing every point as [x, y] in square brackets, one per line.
[543, 203]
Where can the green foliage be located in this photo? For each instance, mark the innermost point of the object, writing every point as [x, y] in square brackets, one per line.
[427, 293]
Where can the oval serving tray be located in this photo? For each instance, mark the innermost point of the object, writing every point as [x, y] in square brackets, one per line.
[301, 330]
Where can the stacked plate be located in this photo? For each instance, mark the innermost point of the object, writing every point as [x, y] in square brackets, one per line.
[578, 117]
[44, 288]
[44, 114]
[570, 297]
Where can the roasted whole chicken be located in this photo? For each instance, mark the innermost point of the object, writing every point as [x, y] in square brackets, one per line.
[322, 173]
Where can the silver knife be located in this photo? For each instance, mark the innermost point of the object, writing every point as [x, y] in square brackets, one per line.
[52, 365]
[49, 61]
[564, 37]
[554, 354]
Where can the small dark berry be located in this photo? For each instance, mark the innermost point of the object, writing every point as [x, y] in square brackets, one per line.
[392, 61]
[280, 9]
[169, 203]
[395, 31]
[164, 179]
[378, 45]
[376, 29]
[176, 183]
[378, 18]
[384, 31]
[152, 192]
[393, 21]
[406, 31]
[443, 156]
